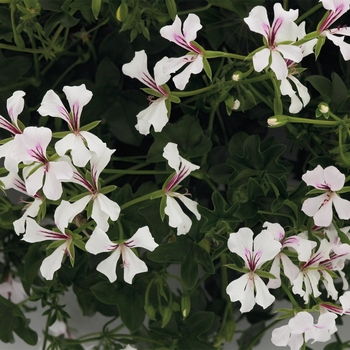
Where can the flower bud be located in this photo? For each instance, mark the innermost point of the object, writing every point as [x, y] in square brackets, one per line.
[185, 305]
[277, 121]
[149, 309]
[322, 109]
[236, 76]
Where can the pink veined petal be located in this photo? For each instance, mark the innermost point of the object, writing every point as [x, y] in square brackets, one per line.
[155, 114]
[301, 322]
[177, 218]
[261, 59]
[283, 24]
[66, 212]
[171, 32]
[314, 278]
[191, 205]
[241, 243]
[173, 64]
[142, 239]
[53, 262]
[334, 178]
[132, 265]
[286, 89]
[266, 247]
[301, 245]
[258, 21]
[108, 266]
[80, 154]
[99, 242]
[195, 67]
[78, 97]
[333, 4]
[325, 214]
[343, 46]
[137, 68]
[280, 336]
[242, 289]
[315, 177]
[172, 155]
[302, 90]
[100, 217]
[325, 327]
[342, 207]
[275, 270]
[278, 65]
[263, 297]
[52, 105]
[35, 181]
[312, 205]
[275, 229]
[15, 105]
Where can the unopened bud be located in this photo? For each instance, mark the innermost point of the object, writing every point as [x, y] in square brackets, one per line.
[236, 105]
[277, 121]
[185, 305]
[323, 107]
[236, 76]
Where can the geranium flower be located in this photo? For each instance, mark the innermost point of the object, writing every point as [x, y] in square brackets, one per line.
[336, 8]
[302, 97]
[283, 29]
[78, 97]
[15, 105]
[302, 327]
[13, 290]
[302, 246]
[177, 218]
[330, 180]
[99, 242]
[102, 207]
[184, 37]
[31, 209]
[249, 288]
[30, 148]
[35, 233]
[157, 113]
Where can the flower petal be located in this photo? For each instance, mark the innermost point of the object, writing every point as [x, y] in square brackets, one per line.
[108, 266]
[132, 265]
[53, 262]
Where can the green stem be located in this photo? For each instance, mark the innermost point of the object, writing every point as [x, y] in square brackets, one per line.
[193, 92]
[291, 297]
[308, 13]
[261, 97]
[153, 195]
[195, 10]
[341, 151]
[216, 54]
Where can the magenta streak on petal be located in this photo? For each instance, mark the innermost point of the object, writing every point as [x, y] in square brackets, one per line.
[19, 185]
[332, 257]
[130, 243]
[314, 260]
[331, 18]
[150, 82]
[272, 35]
[323, 186]
[53, 235]
[38, 154]
[83, 182]
[65, 114]
[4, 124]
[113, 247]
[336, 309]
[177, 178]
[181, 41]
[75, 117]
[94, 176]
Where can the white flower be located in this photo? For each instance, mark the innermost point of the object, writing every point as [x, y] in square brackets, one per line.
[35, 233]
[249, 288]
[103, 208]
[13, 290]
[78, 97]
[177, 218]
[302, 327]
[30, 148]
[184, 38]
[282, 29]
[330, 180]
[132, 265]
[157, 113]
[336, 9]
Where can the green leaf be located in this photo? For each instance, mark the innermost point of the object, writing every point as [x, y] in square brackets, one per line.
[105, 292]
[189, 272]
[90, 126]
[236, 268]
[96, 7]
[207, 68]
[322, 85]
[171, 7]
